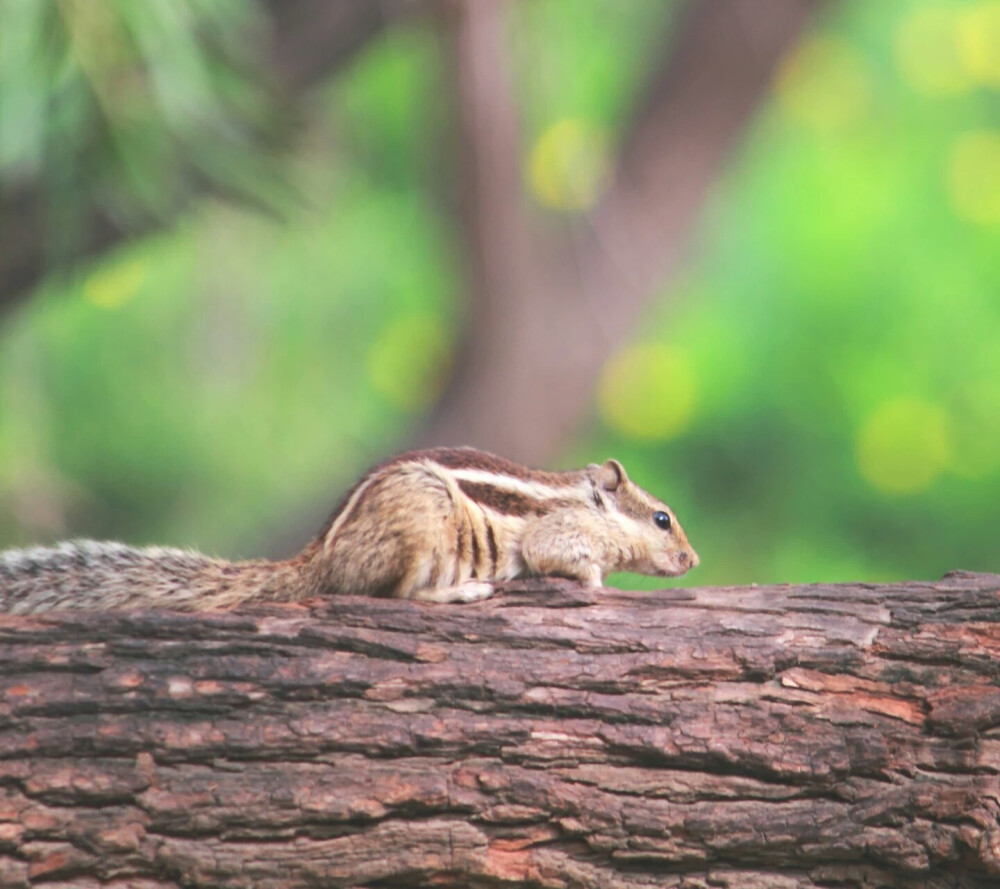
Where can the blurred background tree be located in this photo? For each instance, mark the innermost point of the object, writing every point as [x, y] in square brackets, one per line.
[753, 250]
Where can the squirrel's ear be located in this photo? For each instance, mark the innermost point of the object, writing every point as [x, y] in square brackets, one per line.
[611, 475]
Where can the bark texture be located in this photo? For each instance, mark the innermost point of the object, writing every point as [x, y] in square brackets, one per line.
[836, 736]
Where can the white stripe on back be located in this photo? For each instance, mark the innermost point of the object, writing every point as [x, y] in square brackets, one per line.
[536, 490]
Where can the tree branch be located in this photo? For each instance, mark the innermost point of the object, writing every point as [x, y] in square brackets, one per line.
[793, 736]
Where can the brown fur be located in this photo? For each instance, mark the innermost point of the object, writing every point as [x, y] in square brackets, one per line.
[436, 524]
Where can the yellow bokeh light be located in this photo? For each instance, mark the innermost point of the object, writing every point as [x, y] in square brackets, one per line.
[823, 84]
[978, 36]
[647, 392]
[408, 361]
[904, 445]
[974, 176]
[113, 287]
[568, 168]
[929, 51]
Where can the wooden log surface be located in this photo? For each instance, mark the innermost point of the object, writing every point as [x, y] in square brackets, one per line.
[792, 736]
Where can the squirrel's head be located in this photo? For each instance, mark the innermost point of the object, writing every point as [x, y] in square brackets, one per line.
[656, 542]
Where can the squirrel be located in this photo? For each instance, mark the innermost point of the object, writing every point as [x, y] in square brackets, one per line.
[438, 525]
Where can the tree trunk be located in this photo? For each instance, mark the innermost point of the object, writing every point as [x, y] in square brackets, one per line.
[586, 287]
[794, 736]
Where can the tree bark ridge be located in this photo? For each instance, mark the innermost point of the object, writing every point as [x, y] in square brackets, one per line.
[793, 736]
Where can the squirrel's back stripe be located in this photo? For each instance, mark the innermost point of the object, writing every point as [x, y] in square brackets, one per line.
[343, 512]
[511, 503]
[526, 486]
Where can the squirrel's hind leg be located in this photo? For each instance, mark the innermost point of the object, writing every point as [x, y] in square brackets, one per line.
[470, 591]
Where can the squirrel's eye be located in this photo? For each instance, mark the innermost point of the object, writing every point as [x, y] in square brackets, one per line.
[662, 520]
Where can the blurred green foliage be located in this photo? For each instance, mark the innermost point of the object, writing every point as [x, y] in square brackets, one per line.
[840, 327]
[819, 397]
[138, 103]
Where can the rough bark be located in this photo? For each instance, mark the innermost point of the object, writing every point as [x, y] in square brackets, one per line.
[842, 736]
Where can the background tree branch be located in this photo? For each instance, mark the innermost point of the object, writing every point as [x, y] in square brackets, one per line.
[794, 736]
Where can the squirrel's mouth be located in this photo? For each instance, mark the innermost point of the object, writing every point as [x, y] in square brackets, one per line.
[677, 564]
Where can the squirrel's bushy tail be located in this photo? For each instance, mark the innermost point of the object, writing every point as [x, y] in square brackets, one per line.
[85, 574]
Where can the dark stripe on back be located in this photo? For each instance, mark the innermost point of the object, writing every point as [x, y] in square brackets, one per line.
[492, 541]
[509, 502]
[475, 552]
[460, 544]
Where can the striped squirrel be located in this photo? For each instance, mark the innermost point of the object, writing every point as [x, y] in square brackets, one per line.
[437, 525]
